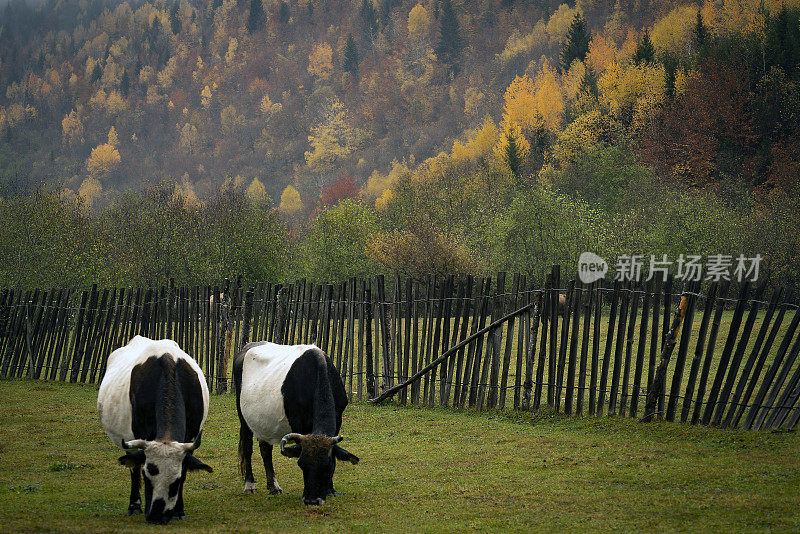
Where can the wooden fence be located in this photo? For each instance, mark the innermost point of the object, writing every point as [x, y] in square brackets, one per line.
[608, 349]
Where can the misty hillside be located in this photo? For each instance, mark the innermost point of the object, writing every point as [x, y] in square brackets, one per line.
[394, 136]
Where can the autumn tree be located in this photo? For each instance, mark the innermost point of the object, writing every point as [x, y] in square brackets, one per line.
[577, 44]
[104, 159]
[72, 129]
[331, 139]
[320, 61]
[290, 201]
[342, 188]
[256, 190]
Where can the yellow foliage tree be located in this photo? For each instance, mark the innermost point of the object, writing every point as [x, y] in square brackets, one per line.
[534, 103]
[72, 128]
[601, 54]
[673, 34]
[205, 97]
[256, 190]
[90, 191]
[419, 23]
[320, 61]
[518, 45]
[628, 89]
[479, 144]
[290, 201]
[103, 160]
[113, 140]
[377, 183]
[184, 191]
[190, 138]
[558, 25]
[330, 140]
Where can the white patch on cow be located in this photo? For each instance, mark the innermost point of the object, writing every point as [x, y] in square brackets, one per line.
[263, 372]
[249, 487]
[113, 399]
[168, 458]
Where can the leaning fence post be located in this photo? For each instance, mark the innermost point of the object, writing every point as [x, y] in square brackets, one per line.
[224, 339]
[657, 387]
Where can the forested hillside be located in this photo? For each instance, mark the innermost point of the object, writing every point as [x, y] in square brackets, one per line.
[325, 139]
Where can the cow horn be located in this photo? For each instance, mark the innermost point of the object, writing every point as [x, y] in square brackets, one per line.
[337, 439]
[134, 444]
[189, 447]
[293, 436]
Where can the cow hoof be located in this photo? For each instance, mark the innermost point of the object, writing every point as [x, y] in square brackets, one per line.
[275, 491]
[134, 509]
[249, 487]
[180, 517]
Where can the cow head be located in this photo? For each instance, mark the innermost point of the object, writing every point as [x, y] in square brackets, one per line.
[316, 455]
[165, 464]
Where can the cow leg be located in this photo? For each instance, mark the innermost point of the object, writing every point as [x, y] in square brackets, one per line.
[331, 491]
[135, 503]
[246, 457]
[178, 511]
[266, 455]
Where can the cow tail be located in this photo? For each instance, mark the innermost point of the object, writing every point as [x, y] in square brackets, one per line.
[245, 433]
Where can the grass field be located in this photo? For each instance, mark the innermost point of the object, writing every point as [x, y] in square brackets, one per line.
[421, 470]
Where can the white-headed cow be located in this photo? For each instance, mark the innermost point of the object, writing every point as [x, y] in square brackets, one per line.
[152, 403]
[290, 394]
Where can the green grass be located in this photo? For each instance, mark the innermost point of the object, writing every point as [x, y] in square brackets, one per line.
[421, 470]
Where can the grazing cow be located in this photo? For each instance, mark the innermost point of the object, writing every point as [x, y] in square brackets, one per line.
[290, 393]
[152, 403]
[562, 304]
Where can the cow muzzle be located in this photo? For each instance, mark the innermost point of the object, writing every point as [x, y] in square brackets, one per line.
[317, 501]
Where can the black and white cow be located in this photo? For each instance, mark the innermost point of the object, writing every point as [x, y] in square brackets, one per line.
[152, 403]
[290, 393]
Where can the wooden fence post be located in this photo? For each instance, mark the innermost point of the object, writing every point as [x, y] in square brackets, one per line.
[654, 394]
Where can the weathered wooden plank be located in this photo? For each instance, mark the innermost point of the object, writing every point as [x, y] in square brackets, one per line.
[495, 340]
[545, 303]
[513, 300]
[709, 356]
[598, 310]
[612, 317]
[575, 306]
[639, 366]
[626, 369]
[656, 391]
[553, 352]
[698, 351]
[724, 360]
[774, 379]
[683, 347]
[588, 291]
[620, 343]
[736, 361]
[755, 362]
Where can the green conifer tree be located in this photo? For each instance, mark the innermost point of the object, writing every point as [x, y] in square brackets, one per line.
[448, 49]
[577, 44]
[350, 60]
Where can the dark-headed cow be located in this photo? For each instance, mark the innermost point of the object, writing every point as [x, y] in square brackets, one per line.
[290, 394]
[152, 403]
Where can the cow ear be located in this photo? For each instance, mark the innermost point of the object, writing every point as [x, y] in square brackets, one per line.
[193, 464]
[344, 456]
[292, 451]
[132, 459]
